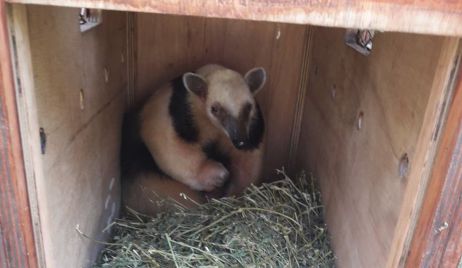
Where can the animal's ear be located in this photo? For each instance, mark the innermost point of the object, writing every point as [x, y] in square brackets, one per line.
[196, 84]
[255, 79]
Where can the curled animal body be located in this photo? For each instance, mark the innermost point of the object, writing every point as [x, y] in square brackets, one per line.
[201, 134]
[145, 188]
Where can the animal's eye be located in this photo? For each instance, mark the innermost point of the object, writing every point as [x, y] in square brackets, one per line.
[214, 109]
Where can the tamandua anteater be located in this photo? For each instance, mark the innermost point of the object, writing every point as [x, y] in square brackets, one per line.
[204, 128]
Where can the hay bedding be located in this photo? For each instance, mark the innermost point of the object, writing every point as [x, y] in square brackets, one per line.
[278, 224]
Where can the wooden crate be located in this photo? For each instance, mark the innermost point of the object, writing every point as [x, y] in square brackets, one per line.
[353, 120]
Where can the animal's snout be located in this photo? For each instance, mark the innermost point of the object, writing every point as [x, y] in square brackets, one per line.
[237, 133]
[239, 143]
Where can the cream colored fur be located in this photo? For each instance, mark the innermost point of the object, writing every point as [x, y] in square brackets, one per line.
[186, 162]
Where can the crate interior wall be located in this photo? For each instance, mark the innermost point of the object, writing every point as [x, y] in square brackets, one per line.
[318, 88]
[79, 85]
[363, 116]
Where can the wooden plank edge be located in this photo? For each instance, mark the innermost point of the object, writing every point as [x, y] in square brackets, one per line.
[425, 17]
[300, 102]
[426, 148]
[27, 114]
[16, 223]
[440, 221]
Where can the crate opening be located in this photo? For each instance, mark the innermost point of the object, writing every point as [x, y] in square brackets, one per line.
[355, 121]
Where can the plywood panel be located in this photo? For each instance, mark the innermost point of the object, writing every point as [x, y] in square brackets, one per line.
[358, 167]
[17, 248]
[27, 114]
[437, 240]
[169, 45]
[427, 16]
[80, 85]
[427, 143]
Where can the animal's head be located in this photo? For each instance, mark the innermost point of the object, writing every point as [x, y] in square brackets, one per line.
[229, 101]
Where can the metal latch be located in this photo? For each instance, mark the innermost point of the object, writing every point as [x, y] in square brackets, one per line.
[360, 40]
[89, 18]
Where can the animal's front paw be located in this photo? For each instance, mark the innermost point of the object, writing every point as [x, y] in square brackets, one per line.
[211, 176]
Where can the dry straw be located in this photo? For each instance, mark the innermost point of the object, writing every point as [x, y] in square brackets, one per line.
[278, 224]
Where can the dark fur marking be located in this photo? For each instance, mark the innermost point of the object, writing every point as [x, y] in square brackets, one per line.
[181, 114]
[243, 119]
[212, 151]
[221, 114]
[237, 128]
[135, 158]
[227, 121]
[256, 130]
[245, 112]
